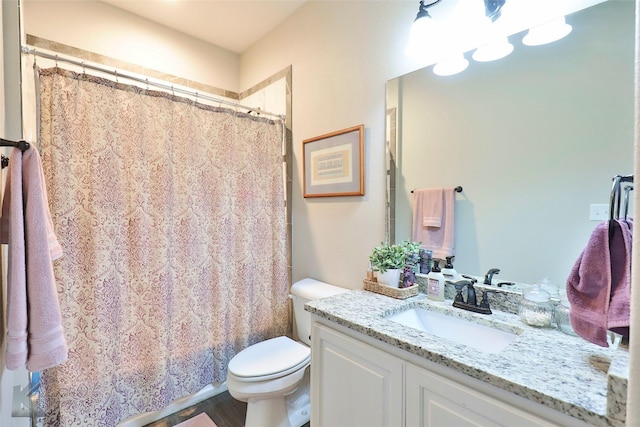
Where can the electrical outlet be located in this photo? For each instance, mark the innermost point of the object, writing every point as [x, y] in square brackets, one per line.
[598, 212]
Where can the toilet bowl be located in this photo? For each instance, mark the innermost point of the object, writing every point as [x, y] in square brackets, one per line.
[272, 376]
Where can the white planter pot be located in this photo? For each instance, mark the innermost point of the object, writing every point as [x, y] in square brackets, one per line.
[390, 277]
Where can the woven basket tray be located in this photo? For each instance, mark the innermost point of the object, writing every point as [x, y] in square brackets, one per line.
[399, 293]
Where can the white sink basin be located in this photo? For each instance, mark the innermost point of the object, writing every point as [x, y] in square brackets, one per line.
[484, 338]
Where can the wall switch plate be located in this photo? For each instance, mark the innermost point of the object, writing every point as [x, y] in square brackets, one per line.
[598, 212]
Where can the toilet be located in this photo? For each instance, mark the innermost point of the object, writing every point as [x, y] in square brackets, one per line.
[272, 376]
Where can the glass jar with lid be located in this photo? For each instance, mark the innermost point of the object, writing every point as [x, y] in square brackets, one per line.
[562, 315]
[535, 307]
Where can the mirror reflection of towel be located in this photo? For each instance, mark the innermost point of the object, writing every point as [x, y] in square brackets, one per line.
[433, 220]
[432, 207]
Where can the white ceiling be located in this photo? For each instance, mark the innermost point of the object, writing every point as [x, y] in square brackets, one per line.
[234, 25]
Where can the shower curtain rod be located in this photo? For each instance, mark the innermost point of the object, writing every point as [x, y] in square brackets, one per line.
[33, 51]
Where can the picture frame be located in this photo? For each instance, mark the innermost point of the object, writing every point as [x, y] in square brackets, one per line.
[334, 164]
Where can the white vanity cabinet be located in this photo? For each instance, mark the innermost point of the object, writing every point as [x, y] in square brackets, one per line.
[356, 383]
[435, 401]
[353, 384]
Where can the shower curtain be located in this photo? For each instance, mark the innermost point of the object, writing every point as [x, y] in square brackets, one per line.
[172, 219]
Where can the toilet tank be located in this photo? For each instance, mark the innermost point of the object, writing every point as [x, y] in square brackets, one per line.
[306, 290]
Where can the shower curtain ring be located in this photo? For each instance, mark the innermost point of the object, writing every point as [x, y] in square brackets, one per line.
[56, 61]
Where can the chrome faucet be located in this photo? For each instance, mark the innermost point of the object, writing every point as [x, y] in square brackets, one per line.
[489, 276]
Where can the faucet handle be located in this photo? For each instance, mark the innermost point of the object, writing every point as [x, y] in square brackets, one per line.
[461, 283]
[473, 279]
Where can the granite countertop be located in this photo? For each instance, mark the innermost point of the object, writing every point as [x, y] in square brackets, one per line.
[563, 372]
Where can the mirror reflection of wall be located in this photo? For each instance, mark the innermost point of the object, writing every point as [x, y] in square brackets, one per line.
[534, 139]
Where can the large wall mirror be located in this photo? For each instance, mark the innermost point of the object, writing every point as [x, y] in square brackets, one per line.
[534, 139]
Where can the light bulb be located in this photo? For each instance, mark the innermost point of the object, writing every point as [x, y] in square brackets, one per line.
[421, 37]
[493, 51]
[547, 33]
[451, 65]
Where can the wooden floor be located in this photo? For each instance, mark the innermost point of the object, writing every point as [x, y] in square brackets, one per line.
[223, 409]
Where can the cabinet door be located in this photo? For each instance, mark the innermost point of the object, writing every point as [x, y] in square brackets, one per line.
[435, 401]
[352, 383]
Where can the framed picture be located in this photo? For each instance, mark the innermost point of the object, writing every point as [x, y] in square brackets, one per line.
[334, 164]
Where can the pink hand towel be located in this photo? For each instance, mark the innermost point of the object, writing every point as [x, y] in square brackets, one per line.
[34, 327]
[432, 207]
[433, 220]
[590, 285]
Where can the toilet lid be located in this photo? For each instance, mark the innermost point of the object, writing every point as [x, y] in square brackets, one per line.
[269, 357]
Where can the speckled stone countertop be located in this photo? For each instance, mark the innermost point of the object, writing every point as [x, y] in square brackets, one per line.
[563, 372]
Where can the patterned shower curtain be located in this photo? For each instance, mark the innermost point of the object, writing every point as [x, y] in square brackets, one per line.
[172, 219]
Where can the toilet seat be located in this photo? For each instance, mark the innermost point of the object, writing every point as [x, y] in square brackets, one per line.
[269, 359]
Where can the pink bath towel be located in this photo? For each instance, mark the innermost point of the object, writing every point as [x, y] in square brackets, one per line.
[433, 220]
[34, 328]
[598, 286]
[619, 314]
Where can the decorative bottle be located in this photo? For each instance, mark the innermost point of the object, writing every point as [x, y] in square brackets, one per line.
[435, 283]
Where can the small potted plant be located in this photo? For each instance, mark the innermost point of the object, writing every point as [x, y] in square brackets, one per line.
[388, 261]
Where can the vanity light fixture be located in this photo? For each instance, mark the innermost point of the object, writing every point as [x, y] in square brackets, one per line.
[547, 33]
[451, 65]
[493, 9]
[493, 51]
[500, 47]
[423, 18]
[422, 30]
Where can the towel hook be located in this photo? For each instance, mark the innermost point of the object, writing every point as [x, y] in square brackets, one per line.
[614, 203]
[614, 206]
[627, 188]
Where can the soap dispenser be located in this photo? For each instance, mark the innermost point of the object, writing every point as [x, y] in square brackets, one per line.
[448, 271]
[435, 282]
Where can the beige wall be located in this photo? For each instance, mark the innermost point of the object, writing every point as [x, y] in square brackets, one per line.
[342, 54]
[106, 30]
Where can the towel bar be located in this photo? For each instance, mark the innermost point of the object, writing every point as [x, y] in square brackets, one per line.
[458, 189]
